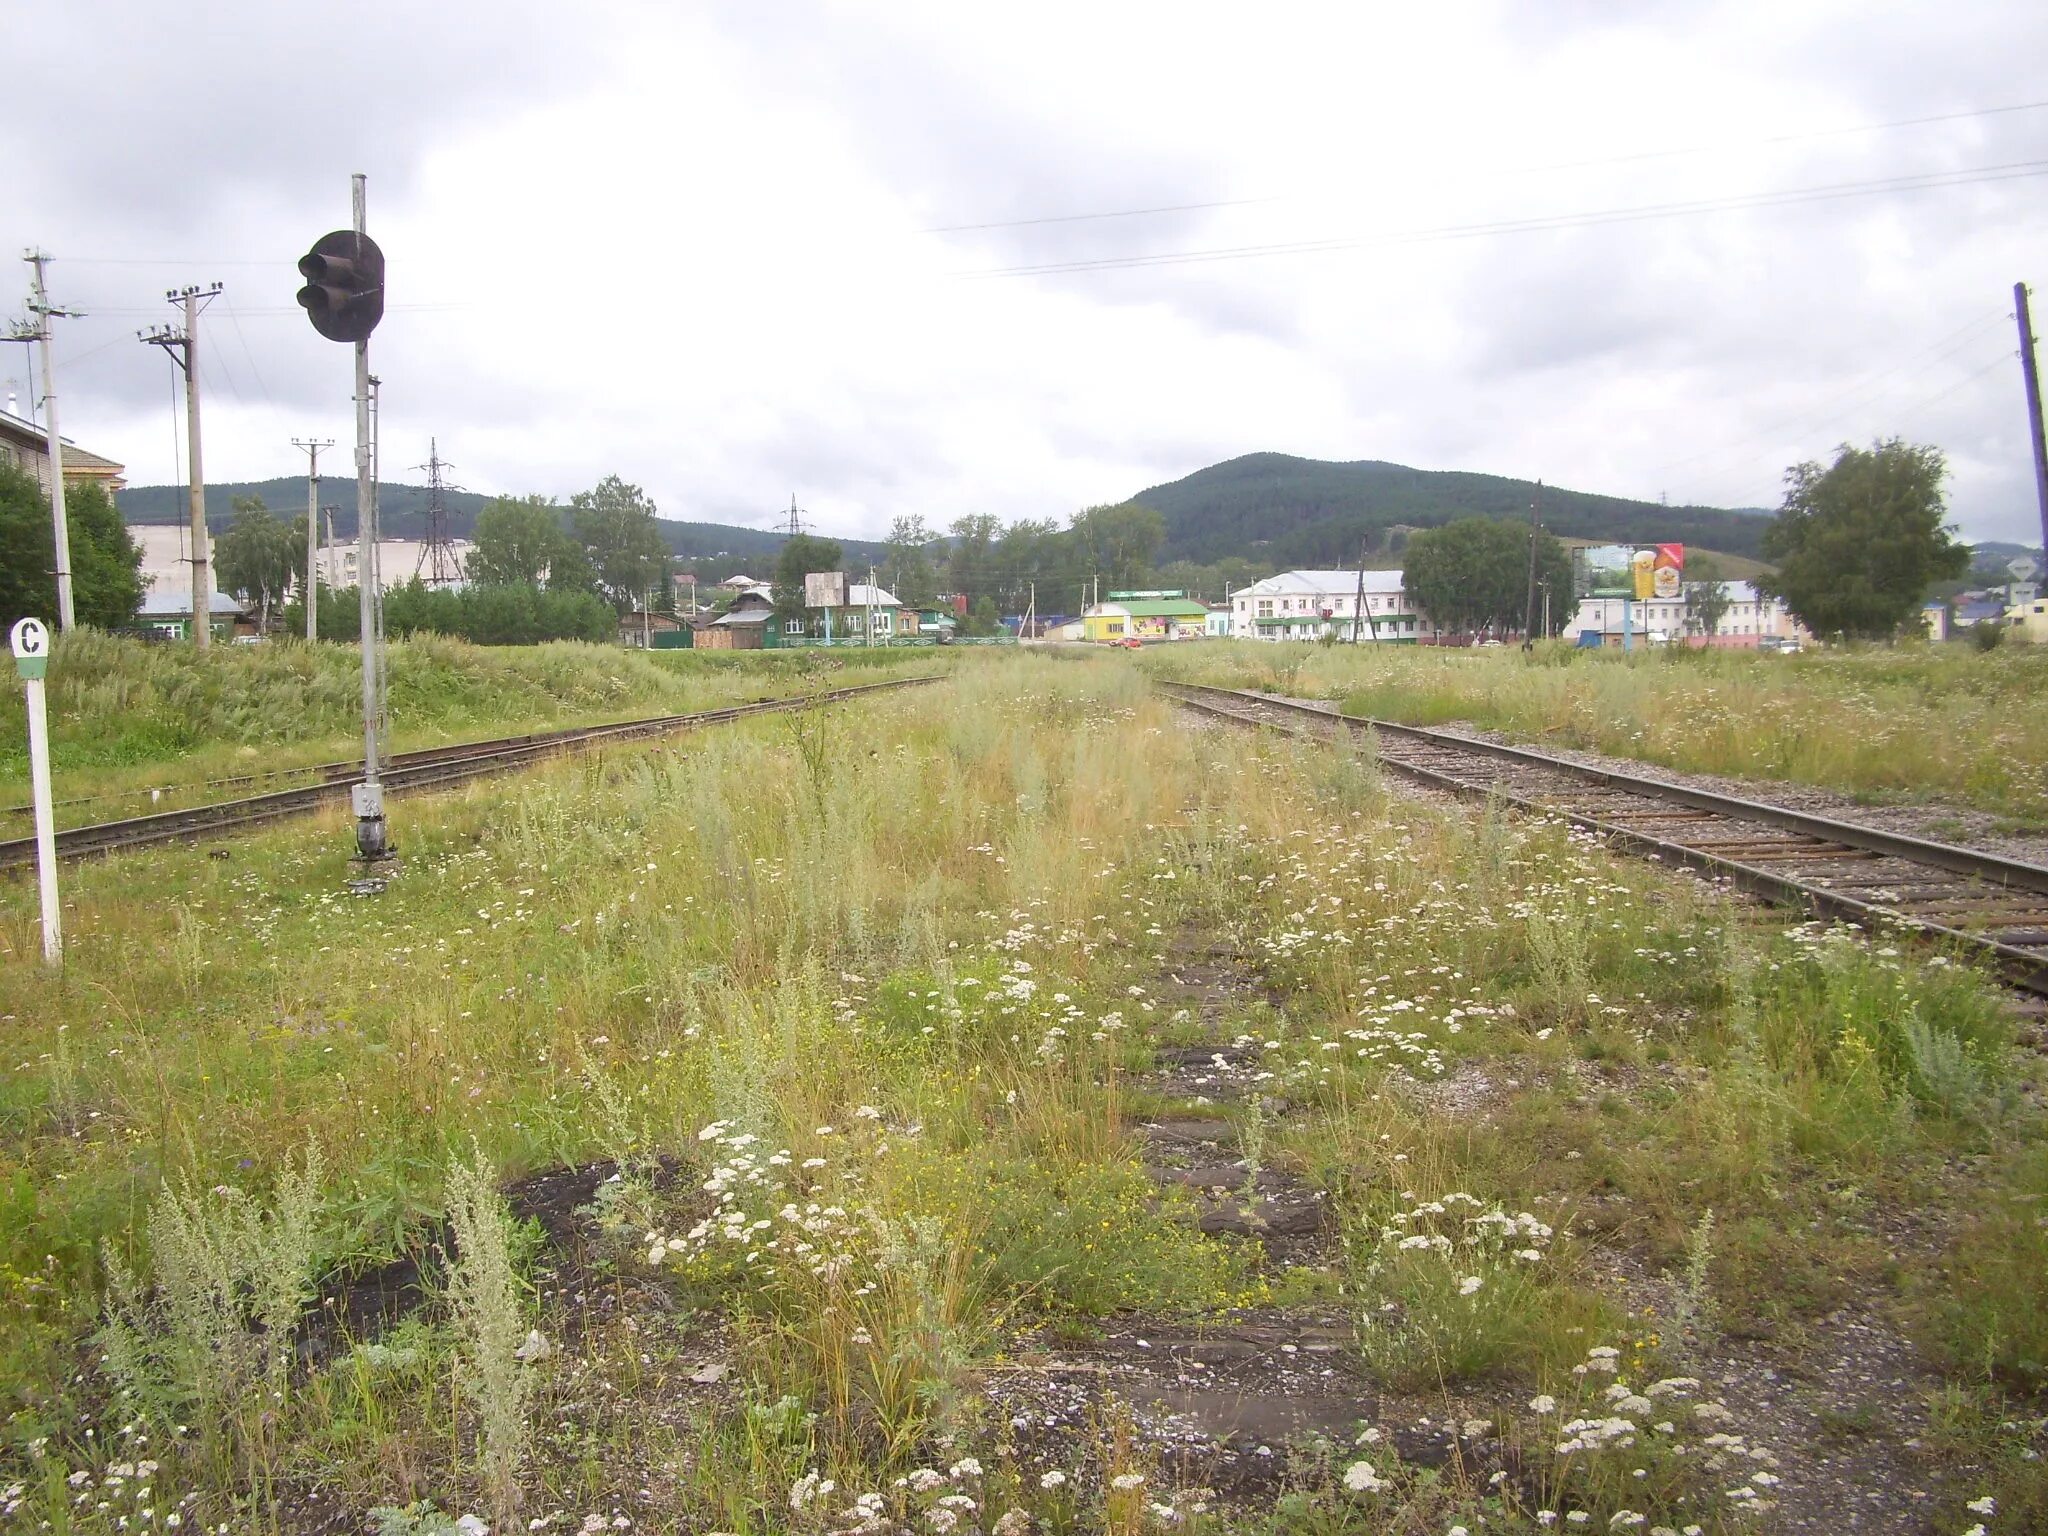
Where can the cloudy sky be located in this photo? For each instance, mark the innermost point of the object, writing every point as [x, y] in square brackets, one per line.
[934, 258]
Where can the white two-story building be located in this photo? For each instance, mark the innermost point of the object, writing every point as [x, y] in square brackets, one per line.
[1308, 605]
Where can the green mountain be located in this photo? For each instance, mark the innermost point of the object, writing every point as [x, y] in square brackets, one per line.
[1290, 512]
[403, 512]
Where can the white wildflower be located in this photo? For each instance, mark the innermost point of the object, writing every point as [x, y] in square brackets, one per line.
[1360, 1477]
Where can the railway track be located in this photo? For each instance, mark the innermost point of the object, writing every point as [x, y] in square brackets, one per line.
[430, 768]
[1992, 908]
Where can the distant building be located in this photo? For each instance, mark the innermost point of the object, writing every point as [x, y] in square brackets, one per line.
[27, 446]
[1217, 625]
[742, 627]
[2028, 621]
[1972, 611]
[167, 615]
[1752, 620]
[650, 628]
[1309, 605]
[1145, 618]
[398, 561]
[850, 621]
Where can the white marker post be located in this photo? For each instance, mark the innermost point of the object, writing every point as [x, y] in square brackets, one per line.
[30, 639]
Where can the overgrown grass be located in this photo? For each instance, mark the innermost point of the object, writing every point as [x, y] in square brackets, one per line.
[1945, 723]
[860, 1007]
[137, 727]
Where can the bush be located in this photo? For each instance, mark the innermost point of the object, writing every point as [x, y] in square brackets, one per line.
[482, 615]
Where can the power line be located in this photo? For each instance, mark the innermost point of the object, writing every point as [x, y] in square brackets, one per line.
[1807, 419]
[243, 342]
[2010, 171]
[1561, 165]
[1935, 399]
[1908, 412]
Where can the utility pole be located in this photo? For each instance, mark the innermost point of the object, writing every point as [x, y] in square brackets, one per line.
[312, 445]
[871, 605]
[1529, 612]
[182, 347]
[38, 330]
[2028, 367]
[1358, 609]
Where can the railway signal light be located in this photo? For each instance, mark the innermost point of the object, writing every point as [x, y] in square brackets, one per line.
[344, 292]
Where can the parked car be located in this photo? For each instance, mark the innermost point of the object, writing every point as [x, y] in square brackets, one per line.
[1130, 643]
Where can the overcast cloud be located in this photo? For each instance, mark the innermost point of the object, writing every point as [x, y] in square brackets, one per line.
[693, 245]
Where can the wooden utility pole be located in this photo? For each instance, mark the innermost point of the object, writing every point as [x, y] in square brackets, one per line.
[2035, 428]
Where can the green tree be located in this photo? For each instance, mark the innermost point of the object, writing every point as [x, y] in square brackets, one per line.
[1706, 595]
[255, 557]
[106, 565]
[1858, 544]
[982, 618]
[1036, 557]
[1473, 574]
[910, 575]
[519, 540]
[970, 567]
[615, 525]
[1118, 543]
[802, 554]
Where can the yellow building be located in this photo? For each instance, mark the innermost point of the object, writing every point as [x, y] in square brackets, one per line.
[1144, 618]
[2028, 621]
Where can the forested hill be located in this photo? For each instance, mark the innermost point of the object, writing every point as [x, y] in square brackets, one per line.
[1289, 512]
[403, 511]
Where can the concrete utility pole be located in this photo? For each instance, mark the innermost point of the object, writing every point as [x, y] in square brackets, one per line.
[312, 445]
[44, 312]
[183, 349]
[1358, 608]
[1529, 613]
[2028, 367]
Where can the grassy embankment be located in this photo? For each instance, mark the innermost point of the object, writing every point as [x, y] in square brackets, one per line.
[129, 719]
[1914, 723]
[863, 1006]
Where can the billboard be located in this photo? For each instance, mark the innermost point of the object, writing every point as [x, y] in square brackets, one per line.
[1626, 570]
[1642, 567]
[1668, 571]
[825, 589]
[1602, 570]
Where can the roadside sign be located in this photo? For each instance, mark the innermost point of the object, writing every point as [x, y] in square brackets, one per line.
[30, 642]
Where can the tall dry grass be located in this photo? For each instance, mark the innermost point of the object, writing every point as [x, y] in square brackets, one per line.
[1911, 722]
